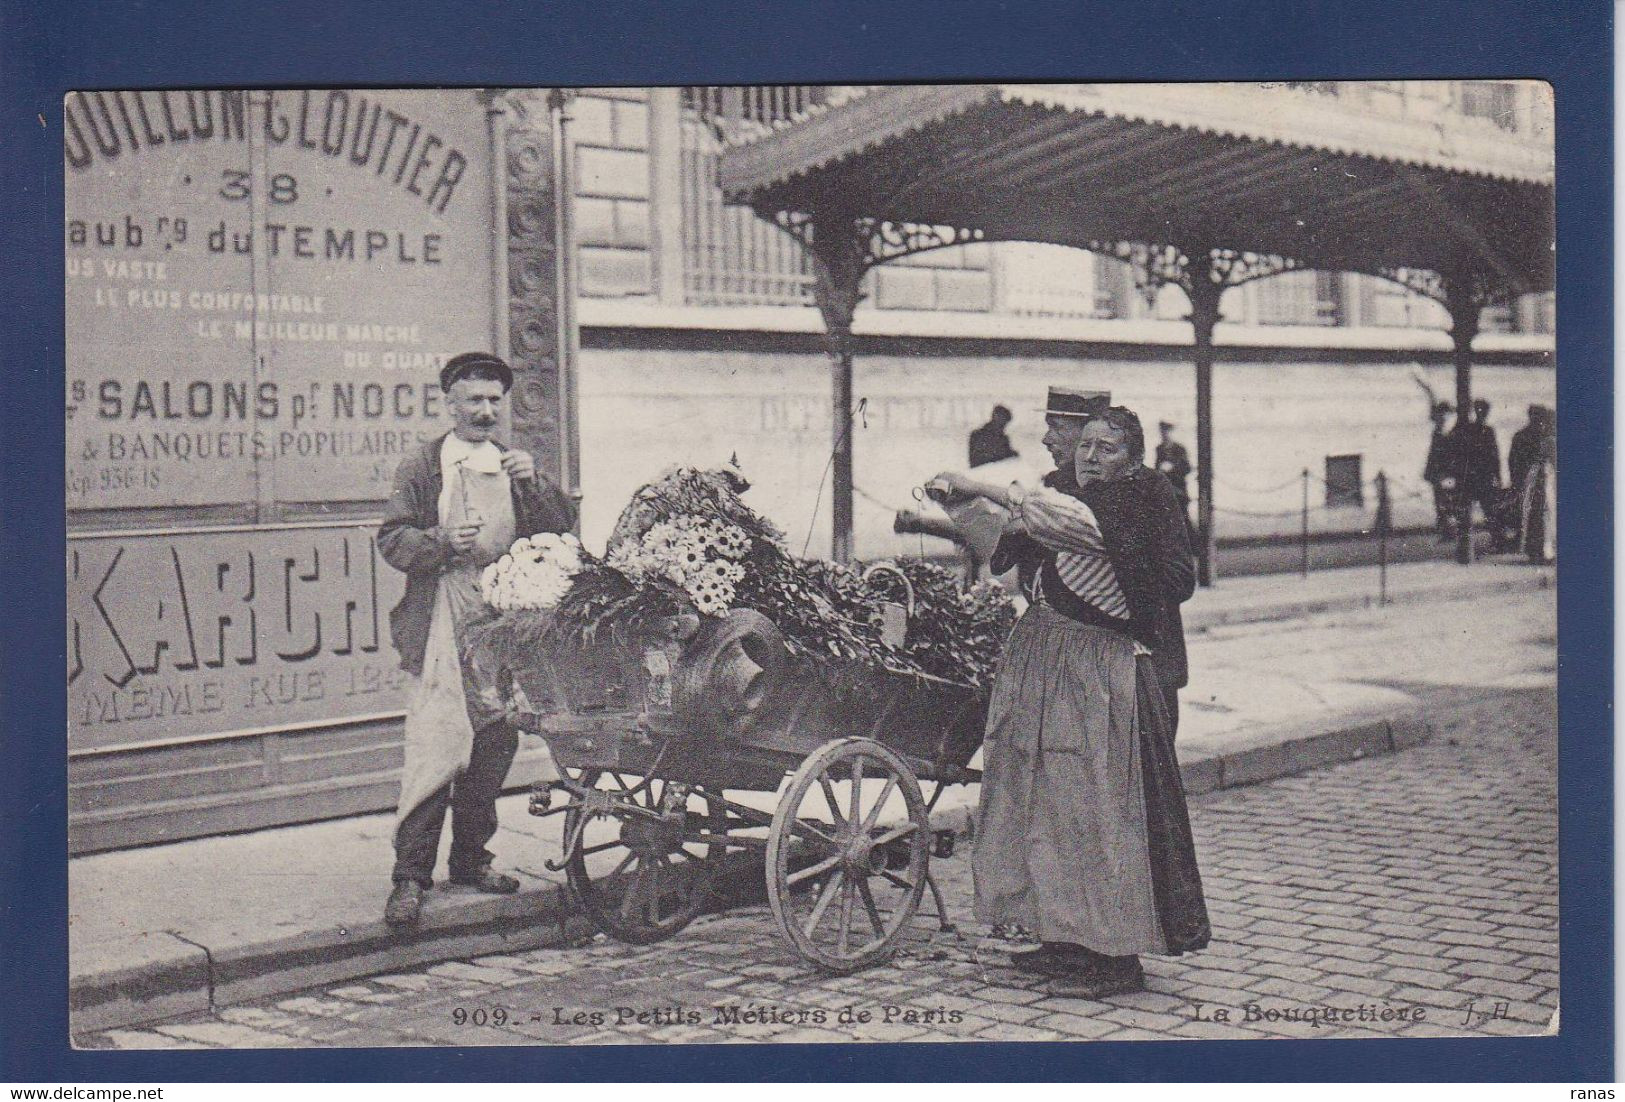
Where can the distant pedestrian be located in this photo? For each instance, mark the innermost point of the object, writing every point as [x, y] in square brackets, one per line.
[1478, 455]
[1532, 463]
[1524, 451]
[1440, 472]
[991, 443]
[1175, 462]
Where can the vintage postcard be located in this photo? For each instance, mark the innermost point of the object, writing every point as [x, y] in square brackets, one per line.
[811, 563]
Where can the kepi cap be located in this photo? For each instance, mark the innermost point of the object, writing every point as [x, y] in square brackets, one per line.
[461, 366]
[1067, 401]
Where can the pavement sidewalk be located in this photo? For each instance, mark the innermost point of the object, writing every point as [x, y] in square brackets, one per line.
[181, 928]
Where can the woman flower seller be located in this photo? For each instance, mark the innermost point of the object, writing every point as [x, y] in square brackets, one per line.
[1083, 833]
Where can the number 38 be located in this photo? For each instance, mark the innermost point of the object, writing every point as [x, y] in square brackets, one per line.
[236, 184]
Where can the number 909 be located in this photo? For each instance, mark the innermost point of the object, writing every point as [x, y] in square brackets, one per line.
[479, 1016]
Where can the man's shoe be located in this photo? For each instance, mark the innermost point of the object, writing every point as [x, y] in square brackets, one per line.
[1100, 984]
[405, 903]
[492, 883]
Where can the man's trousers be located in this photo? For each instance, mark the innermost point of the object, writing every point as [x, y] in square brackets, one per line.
[472, 797]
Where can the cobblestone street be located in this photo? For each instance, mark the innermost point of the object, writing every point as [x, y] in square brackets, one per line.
[1421, 884]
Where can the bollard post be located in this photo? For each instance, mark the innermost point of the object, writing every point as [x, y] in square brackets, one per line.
[1384, 521]
[1305, 538]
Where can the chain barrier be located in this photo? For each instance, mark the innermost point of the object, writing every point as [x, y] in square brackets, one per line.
[1261, 490]
[873, 500]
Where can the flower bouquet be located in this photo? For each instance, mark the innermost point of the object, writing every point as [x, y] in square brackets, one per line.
[688, 547]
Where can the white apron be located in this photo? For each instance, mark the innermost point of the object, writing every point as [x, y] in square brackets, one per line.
[439, 727]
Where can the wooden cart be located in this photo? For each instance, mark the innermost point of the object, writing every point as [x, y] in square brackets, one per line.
[655, 738]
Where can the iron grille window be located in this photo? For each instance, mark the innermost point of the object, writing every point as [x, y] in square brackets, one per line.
[765, 104]
[1492, 100]
[1111, 287]
[1344, 488]
[1291, 298]
[1329, 298]
[730, 256]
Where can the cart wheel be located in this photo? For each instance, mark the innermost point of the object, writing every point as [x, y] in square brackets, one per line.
[650, 882]
[843, 887]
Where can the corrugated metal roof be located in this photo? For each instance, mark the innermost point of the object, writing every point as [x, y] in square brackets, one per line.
[1255, 112]
[1250, 167]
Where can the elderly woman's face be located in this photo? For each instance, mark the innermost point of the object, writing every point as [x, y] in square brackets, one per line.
[1102, 455]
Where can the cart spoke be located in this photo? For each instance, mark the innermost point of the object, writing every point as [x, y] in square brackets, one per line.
[739, 814]
[895, 833]
[869, 905]
[620, 780]
[634, 895]
[846, 918]
[898, 880]
[588, 851]
[835, 882]
[660, 876]
[874, 812]
[813, 870]
[857, 787]
[804, 827]
[625, 861]
[829, 798]
[647, 911]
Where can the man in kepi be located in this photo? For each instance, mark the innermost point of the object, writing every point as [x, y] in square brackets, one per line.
[1175, 462]
[457, 505]
[1066, 412]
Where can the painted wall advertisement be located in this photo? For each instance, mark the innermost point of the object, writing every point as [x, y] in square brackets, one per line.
[261, 287]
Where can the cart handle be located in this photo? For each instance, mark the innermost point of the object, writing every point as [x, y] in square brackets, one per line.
[889, 568]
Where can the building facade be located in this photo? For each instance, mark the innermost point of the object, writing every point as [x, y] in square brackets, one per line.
[700, 341]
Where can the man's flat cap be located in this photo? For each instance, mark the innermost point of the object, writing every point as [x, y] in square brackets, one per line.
[476, 363]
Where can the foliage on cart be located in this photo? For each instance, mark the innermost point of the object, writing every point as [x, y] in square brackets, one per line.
[687, 546]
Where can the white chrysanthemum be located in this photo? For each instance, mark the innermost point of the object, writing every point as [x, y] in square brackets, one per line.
[536, 573]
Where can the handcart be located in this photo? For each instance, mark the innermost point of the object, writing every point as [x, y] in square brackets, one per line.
[657, 736]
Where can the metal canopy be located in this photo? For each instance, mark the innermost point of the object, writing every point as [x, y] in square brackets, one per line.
[1246, 167]
[1206, 186]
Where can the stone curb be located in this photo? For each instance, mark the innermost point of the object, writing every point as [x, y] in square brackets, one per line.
[546, 917]
[1198, 620]
[1282, 752]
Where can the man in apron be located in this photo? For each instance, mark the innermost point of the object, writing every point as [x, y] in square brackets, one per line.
[457, 505]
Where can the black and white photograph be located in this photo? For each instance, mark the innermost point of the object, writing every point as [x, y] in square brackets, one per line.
[811, 564]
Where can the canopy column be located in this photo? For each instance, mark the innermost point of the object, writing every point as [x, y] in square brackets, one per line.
[1204, 274]
[1464, 308]
[839, 261]
[1204, 295]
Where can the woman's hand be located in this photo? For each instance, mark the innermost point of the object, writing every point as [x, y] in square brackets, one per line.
[961, 486]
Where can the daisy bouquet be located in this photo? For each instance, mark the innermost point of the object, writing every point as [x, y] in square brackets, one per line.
[536, 573]
[702, 557]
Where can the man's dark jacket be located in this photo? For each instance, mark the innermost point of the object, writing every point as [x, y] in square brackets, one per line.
[1523, 454]
[410, 539]
[1148, 542]
[989, 444]
[1483, 452]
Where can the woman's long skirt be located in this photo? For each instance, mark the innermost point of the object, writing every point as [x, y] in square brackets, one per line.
[1082, 832]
